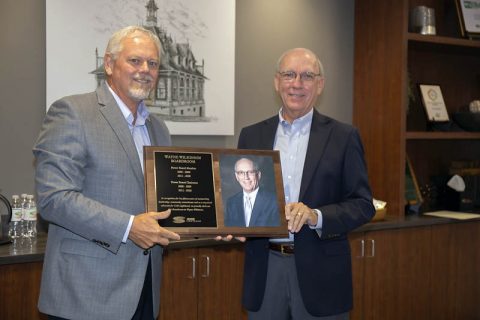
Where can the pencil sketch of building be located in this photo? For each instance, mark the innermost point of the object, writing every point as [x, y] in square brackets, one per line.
[179, 95]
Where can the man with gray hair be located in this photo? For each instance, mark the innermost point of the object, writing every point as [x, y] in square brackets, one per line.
[307, 275]
[253, 206]
[103, 256]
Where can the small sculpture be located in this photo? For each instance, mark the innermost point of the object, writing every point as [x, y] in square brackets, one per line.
[474, 106]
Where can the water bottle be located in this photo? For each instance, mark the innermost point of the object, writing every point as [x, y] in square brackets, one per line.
[30, 217]
[15, 228]
[23, 202]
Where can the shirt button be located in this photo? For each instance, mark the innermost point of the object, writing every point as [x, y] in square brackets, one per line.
[145, 252]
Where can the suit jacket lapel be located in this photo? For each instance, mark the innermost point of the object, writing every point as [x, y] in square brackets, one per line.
[151, 133]
[238, 214]
[319, 135]
[257, 207]
[268, 131]
[114, 116]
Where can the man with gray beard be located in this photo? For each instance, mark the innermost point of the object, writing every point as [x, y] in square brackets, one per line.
[104, 254]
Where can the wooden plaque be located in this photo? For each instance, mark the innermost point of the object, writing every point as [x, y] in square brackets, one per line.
[204, 188]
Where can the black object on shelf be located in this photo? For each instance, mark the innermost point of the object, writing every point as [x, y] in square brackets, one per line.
[468, 121]
[445, 126]
[4, 222]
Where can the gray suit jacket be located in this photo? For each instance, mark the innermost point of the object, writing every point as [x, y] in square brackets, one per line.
[89, 181]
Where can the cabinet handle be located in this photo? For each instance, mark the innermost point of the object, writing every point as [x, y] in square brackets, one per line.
[372, 248]
[207, 267]
[194, 267]
[362, 249]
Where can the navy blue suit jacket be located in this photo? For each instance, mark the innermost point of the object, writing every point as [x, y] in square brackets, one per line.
[335, 182]
[265, 211]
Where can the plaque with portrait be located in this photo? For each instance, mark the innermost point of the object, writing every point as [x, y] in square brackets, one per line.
[213, 191]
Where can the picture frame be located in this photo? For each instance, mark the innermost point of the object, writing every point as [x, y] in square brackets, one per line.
[468, 12]
[204, 189]
[432, 100]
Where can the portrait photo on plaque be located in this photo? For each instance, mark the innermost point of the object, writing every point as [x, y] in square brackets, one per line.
[248, 191]
[214, 191]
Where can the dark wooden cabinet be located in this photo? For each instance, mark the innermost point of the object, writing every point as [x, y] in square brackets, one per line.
[19, 290]
[406, 272]
[197, 283]
[391, 275]
[455, 272]
[389, 64]
[203, 283]
[428, 272]
[357, 245]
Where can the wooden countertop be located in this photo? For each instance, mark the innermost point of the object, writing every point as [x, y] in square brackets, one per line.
[34, 251]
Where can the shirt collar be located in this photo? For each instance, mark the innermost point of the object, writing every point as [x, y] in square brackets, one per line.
[302, 123]
[251, 194]
[142, 112]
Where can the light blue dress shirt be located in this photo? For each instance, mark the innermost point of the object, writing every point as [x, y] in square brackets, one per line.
[139, 133]
[291, 140]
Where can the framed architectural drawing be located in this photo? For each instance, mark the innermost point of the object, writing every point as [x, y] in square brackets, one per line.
[195, 91]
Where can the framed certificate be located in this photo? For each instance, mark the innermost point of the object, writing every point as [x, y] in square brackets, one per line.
[469, 17]
[433, 102]
[214, 192]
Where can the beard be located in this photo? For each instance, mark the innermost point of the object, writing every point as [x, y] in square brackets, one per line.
[141, 91]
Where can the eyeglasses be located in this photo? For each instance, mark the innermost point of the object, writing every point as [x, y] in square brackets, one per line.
[292, 75]
[244, 174]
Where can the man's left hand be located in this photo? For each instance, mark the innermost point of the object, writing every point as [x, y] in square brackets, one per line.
[298, 214]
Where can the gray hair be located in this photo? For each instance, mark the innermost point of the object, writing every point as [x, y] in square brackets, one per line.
[115, 44]
[308, 51]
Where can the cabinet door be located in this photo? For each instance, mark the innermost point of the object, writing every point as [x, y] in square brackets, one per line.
[203, 283]
[397, 268]
[220, 283]
[178, 296]
[20, 287]
[456, 271]
[357, 245]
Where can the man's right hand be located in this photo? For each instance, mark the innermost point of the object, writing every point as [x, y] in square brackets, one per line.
[146, 232]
